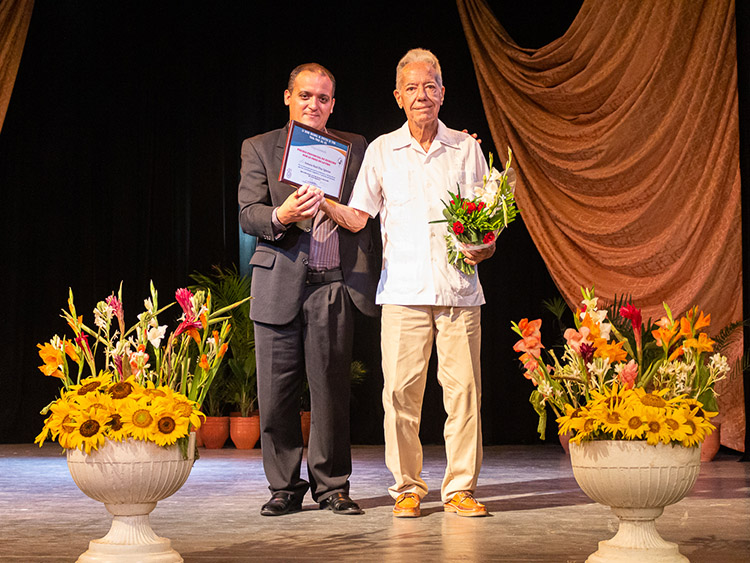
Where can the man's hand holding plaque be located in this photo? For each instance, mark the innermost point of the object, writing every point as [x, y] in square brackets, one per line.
[301, 204]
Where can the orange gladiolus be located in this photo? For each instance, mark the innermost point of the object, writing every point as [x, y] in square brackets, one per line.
[592, 325]
[223, 350]
[70, 350]
[204, 362]
[664, 335]
[611, 350]
[701, 344]
[52, 358]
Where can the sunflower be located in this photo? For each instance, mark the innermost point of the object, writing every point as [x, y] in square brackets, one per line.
[169, 426]
[122, 389]
[137, 419]
[677, 423]
[613, 420]
[89, 430]
[115, 428]
[572, 420]
[92, 383]
[183, 408]
[655, 400]
[99, 401]
[698, 426]
[635, 423]
[656, 426]
[62, 419]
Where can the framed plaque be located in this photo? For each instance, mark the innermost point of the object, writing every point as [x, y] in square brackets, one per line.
[316, 158]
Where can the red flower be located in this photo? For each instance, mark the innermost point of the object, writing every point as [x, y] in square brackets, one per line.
[488, 238]
[480, 206]
[471, 207]
[633, 314]
[458, 227]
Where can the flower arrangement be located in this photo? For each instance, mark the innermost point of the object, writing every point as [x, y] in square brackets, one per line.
[474, 222]
[151, 386]
[621, 379]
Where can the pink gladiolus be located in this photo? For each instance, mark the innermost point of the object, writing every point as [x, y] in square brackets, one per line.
[185, 298]
[531, 343]
[629, 374]
[575, 338]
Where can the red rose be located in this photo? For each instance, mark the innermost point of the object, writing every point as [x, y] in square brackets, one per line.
[488, 238]
[458, 227]
[472, 207]
[480, 206]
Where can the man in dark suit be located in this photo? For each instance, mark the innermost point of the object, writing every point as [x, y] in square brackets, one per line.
[308, 277]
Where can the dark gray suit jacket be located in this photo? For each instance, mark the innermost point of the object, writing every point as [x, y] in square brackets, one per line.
[280, 266]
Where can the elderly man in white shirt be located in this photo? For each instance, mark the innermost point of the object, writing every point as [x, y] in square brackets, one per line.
[403, 177]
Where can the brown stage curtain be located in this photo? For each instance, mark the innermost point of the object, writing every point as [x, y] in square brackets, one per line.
[625, 137]
[15, 16]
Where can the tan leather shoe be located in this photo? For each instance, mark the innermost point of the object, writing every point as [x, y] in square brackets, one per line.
[407, 506]
[464, 504]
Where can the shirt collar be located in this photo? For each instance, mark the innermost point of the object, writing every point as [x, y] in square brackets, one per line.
[404, 138]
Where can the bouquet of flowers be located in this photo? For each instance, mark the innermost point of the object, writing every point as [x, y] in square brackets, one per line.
[621, 379]
[151, 385]
[474, 222]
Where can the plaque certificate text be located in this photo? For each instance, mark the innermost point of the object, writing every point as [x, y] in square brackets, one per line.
[316, 158]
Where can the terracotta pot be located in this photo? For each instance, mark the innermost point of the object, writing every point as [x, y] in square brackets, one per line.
[565, 442]
[710, 445]
[215, 431]
[305, 422]
[245, 431]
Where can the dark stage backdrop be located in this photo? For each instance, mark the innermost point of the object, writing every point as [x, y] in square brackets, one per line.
[119, 160]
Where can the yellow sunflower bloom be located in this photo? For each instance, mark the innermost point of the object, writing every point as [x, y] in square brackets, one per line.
[572, 420]
[182, 407]
[89, 431]
[62, 419]
[93, 383]
[656, 426]
[138, 419]
[120, 390]
[654, 399]
[635, 423]
[677, 424]
[169, 427]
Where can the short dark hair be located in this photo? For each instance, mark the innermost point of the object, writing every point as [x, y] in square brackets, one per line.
[311, 67]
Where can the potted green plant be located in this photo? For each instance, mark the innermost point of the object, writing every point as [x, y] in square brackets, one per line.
[226, 284]
[214, 432]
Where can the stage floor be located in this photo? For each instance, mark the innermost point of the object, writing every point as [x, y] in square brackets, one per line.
[538, 513]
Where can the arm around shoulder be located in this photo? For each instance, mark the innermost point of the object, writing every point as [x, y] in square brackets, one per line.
[350, 218]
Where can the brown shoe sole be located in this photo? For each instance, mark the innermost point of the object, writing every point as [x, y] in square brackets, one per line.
[414, 513]
[467, 513]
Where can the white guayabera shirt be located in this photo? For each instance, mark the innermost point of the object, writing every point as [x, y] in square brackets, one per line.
[405, 184]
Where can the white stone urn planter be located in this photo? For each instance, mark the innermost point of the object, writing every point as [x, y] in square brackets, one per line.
[130, 477]
[637, 481]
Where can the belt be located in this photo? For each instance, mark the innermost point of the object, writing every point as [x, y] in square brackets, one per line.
[324, 276]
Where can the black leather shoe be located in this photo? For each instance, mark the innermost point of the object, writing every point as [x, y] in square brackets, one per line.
[280, 504]
[340, 503]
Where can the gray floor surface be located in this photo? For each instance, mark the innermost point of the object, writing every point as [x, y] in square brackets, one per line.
[538, 513]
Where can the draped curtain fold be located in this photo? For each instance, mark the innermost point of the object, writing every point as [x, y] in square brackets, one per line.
[15, 16]
[626, 141]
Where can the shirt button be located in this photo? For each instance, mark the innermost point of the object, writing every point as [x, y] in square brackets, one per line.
[305, 261]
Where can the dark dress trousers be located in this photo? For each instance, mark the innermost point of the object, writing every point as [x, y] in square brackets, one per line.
[303, 327]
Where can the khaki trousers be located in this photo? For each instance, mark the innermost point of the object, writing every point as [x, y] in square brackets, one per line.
[407, 334]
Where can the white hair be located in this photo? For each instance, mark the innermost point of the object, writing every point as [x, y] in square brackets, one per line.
[419, 56]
